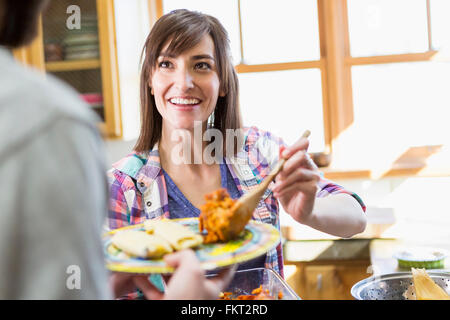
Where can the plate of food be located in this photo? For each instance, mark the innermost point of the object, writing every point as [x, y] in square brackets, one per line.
[140, 248]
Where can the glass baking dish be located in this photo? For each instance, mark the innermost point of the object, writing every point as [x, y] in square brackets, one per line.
[245, 281]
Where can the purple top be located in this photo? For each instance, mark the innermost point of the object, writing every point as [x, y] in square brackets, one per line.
[181, 207]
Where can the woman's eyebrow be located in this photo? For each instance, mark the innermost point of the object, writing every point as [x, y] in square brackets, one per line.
[202, 56]
[195, 57]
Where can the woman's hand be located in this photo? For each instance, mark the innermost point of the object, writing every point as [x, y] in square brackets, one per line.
[187, 283]
[296, 184]
[122, 284]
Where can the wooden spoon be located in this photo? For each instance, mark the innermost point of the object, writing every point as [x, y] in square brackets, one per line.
[244, 207]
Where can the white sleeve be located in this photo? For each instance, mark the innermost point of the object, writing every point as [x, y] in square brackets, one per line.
[54, 186]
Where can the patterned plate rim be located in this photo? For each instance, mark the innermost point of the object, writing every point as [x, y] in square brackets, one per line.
[273, 240]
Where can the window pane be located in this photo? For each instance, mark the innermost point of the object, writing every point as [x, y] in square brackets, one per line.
[280, 31]
[398, 106]
[381, 27]
[225, 11]
[285, 103]
[440, 24]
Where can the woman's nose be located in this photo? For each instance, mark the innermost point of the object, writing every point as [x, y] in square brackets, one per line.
[184, 80]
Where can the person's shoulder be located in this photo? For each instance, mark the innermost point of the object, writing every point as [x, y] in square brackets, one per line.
[32, 103]
[39, 97]
[60, 98]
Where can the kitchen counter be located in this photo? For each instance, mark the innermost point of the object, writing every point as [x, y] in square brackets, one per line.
[382, 251]
[329, 268]
[378, 243]
[326, 250]
[379, 252]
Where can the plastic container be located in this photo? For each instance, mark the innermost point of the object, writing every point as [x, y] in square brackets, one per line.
[245, 281]
[421, 257]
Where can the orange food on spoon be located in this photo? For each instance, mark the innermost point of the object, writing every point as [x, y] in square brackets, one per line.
[217, 218]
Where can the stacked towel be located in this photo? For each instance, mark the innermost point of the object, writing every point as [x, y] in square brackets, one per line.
[95, 100]
[83, 43]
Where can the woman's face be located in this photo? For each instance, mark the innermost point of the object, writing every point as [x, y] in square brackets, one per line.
[186, 87]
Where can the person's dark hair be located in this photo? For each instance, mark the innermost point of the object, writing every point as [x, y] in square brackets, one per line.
[184, 29]
[19, 21]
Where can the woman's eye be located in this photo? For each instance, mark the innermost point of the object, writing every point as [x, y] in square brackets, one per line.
[202, 66]
[164, 64]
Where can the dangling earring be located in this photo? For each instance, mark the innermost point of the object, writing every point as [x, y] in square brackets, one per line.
[211, 120]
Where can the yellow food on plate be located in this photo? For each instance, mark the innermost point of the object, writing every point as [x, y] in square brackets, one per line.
[141, 244]
[426, 288]
[178, 236]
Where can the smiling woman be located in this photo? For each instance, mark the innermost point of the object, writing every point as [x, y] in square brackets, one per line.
[209, 59]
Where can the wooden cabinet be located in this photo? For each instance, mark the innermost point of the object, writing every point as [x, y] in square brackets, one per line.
[327, 280]
[76, 43]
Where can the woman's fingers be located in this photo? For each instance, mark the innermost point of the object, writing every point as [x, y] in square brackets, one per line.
[148, 289]
[300, 145]
[184, 258]
[299, 159]
[300, 175]
[121, 283]
[306, 187]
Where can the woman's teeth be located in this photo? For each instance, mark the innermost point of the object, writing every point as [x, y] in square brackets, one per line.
[184, 101]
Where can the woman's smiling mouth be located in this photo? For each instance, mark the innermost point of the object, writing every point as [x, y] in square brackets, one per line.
[185, 103]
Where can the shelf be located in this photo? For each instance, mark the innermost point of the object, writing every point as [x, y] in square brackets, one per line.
[72, 65]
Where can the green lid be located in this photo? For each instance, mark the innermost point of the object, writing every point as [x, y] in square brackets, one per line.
[421, 257]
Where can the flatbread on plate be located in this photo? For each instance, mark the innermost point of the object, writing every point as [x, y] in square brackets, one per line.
[179, 236]
[141, 244]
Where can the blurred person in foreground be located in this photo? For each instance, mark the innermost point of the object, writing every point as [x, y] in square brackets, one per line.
[54, 189]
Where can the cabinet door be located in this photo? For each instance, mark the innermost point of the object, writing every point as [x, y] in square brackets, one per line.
[332, 282]
[322, 283]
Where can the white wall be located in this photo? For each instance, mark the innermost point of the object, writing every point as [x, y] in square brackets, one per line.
[117, 149]
[132, 28]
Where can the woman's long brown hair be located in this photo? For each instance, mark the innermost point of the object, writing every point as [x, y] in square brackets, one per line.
[185, 29]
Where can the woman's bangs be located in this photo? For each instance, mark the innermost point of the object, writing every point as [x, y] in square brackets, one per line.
[185, 40]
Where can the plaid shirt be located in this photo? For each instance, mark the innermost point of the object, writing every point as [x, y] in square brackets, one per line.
[138, 189]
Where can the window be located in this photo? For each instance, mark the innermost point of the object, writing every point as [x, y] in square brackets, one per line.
[285, 32]
[369, 78]
[399, 81]
[276, 50]
[380, 27]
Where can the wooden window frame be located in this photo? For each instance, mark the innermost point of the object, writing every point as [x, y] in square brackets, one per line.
[341, 105]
